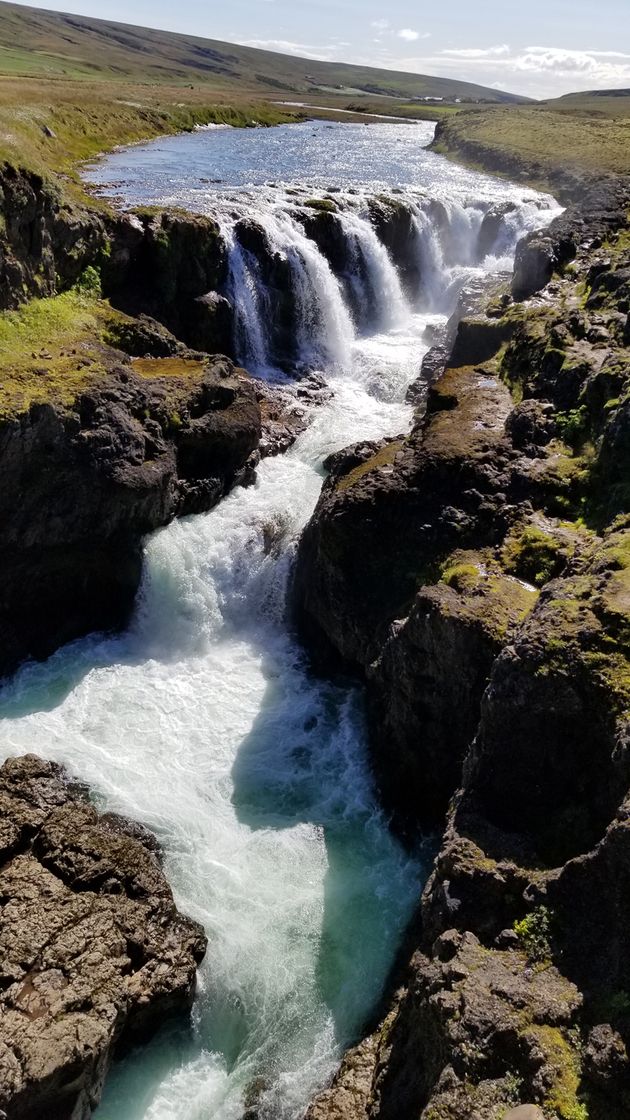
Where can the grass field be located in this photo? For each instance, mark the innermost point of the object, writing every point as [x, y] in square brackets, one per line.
[552, 145]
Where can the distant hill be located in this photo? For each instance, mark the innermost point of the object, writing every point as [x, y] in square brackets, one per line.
[38, 43]
[609, 102]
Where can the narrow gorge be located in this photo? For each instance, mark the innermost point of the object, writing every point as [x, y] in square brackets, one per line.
[294, 607]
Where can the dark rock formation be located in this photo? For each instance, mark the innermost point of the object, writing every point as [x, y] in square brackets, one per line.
[426, 687]
[93, 952]
[515, 1000]
[44, 243]
[82, 486]
[163, 265]
[601, 211]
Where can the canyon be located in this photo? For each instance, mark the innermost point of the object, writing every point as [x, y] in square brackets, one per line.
[464, 570]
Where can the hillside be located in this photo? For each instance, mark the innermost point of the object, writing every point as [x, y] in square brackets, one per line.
[50, 44]
[606, 102]
[559, 146]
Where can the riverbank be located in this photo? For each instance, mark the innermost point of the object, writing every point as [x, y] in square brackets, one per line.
[551, 147]
[476, 575]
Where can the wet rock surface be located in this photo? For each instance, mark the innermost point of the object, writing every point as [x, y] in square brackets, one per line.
[94, 955]
[496, 662]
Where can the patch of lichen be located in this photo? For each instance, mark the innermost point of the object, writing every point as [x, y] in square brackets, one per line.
[562, 1097]
[383, 458]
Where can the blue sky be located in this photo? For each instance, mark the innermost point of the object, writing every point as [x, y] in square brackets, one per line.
[536, 47]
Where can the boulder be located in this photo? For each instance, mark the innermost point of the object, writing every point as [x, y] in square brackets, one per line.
[93, 952]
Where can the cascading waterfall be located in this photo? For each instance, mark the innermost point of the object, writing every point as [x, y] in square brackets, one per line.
[364, 296]
[203, 721]
[376, 280]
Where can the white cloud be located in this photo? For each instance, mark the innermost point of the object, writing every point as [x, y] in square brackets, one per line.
[322, 52]
[409, 35]
[380, 24]
[478, 52]
[540, 72]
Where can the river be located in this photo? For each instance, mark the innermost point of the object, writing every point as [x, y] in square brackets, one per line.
[202, 720]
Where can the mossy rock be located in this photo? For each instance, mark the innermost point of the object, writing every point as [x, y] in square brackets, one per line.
[323, 205]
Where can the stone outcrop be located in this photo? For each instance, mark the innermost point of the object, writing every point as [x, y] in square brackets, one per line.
[82, 485]
[496, 665]
[94, 955]
[45, 242]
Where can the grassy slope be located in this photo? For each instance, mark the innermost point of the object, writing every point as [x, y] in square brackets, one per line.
[91, 117]
[51, 44]
[553, 146]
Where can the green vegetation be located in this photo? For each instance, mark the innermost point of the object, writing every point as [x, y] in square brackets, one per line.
[534, 555]
[47, 350]
[53, 127]
[534, 932]
[462, 577]
[51, 349]
[547, 146]
[323, 205]
[562, 1097]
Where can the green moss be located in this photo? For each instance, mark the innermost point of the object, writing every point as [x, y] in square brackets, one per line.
[462, 577]
[562, 1097]
[534, 555]
[383, 458]
[324, 205]
[47, 350]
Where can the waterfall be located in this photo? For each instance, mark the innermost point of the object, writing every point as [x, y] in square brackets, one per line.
[302, 304]
[203, 720]
[374, 275]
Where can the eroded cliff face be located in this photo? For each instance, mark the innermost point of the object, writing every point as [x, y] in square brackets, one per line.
[82, 485]
[477, 574]
[94, 954]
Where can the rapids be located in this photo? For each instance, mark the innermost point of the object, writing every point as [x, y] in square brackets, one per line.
[202, 720]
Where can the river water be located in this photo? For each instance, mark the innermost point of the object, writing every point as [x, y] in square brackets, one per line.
[202, 720]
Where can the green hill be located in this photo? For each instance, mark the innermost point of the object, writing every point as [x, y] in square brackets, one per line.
[38, 43]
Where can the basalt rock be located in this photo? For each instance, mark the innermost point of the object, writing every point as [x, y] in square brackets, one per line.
[601, 211]
[515, 710]
[45, 244]
[162, 265]
[94, 955]
[426, 687]
[82, 486]
[383, 525]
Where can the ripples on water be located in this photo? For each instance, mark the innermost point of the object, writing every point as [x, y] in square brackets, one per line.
[202, 720]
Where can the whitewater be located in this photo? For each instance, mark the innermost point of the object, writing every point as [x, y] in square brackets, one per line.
[203, 720]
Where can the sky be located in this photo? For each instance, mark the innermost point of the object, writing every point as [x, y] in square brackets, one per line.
[542, 48]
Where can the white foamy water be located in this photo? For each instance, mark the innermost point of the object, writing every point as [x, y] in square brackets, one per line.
[203, 722]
